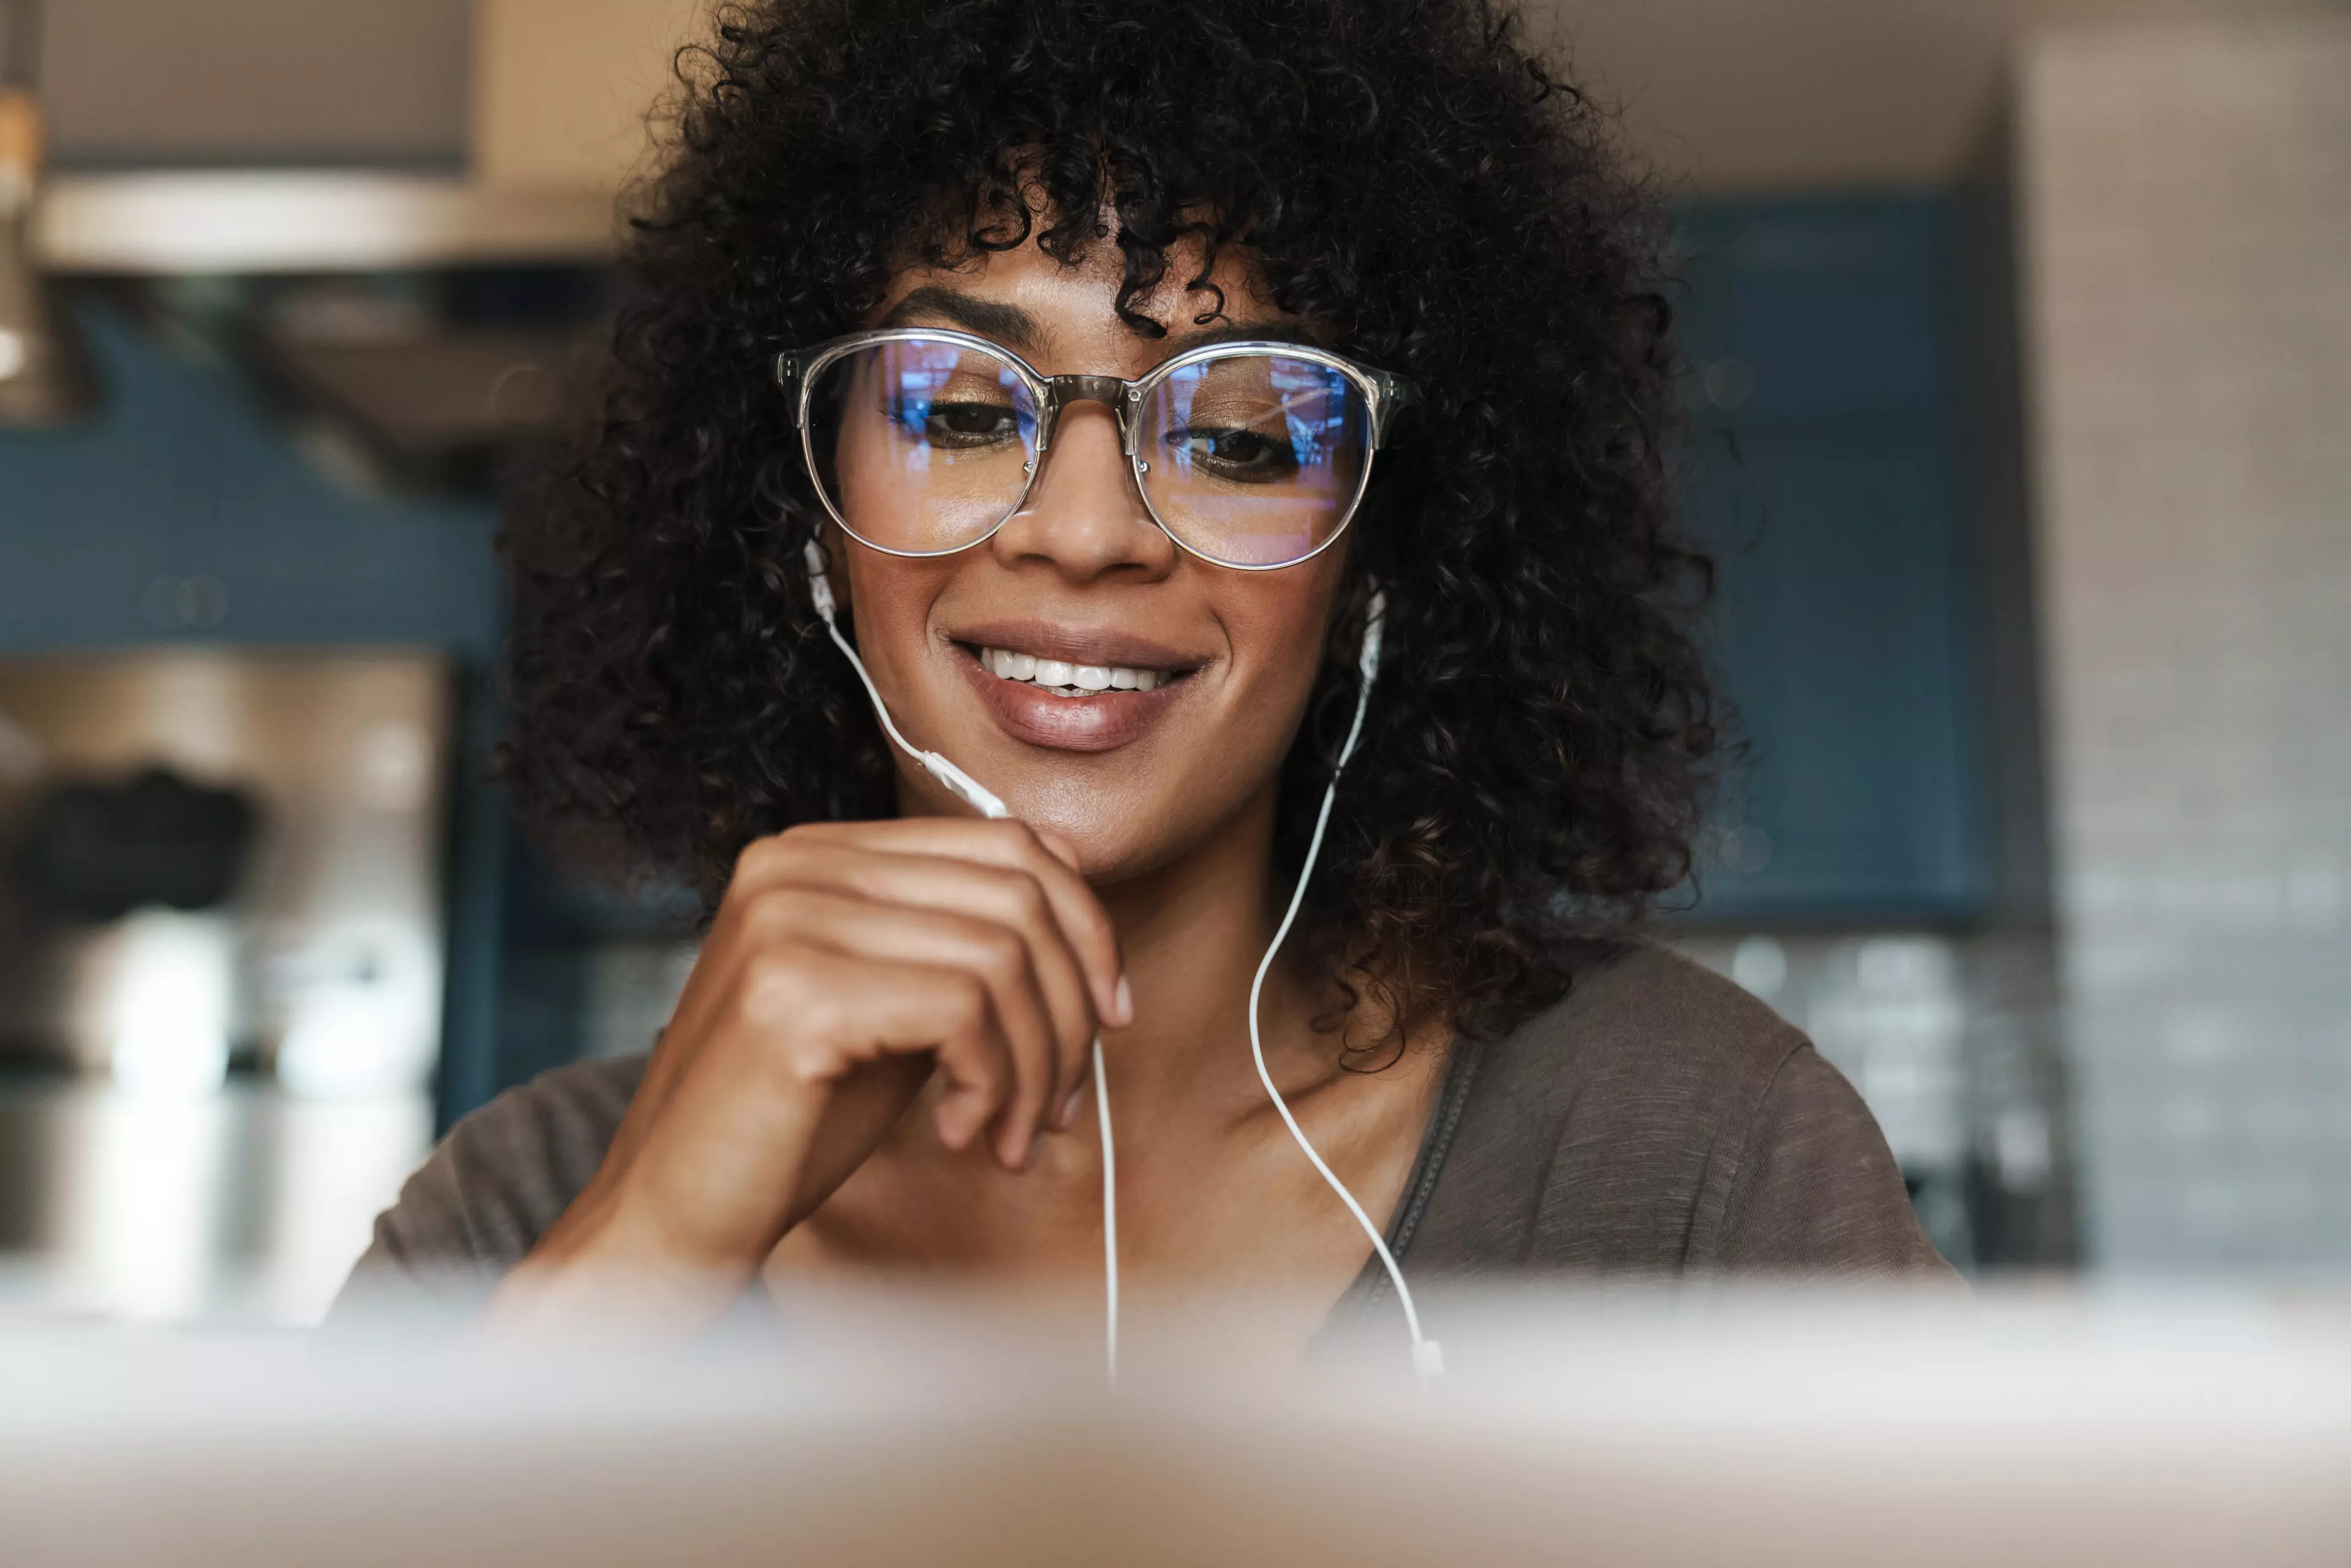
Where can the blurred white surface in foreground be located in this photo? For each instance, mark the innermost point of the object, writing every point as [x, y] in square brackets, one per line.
[1624, 1429]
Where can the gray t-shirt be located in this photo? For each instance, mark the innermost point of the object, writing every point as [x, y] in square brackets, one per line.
[1657, 1123]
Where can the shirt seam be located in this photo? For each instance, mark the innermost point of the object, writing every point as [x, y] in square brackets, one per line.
[1453, 1103]
[461, 1190]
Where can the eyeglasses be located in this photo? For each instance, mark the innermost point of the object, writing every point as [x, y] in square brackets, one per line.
[1251, 454]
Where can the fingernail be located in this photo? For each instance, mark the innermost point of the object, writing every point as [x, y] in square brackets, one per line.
[1036, 1147]
[1069, 1115]
[1123, 1003]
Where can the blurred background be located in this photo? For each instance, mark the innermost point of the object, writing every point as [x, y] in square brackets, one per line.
[2019, 336]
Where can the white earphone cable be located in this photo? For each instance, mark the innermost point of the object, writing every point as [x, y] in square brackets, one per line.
[857, 664]
[1110, 1216]
[958, 783]
[1428, 1357]
[987, 804]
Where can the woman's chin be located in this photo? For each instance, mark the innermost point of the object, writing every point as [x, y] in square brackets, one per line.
[1117, 837]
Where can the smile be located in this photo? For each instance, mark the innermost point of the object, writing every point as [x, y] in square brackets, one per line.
[1072, 689]
[1064, 679]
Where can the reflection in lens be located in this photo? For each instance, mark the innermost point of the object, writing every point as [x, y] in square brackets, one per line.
[1254, 458]
[922, 445]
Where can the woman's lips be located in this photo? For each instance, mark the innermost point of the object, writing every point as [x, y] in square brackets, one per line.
[1101, 721]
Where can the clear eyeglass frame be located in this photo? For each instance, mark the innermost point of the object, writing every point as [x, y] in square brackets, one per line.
[1385, 397]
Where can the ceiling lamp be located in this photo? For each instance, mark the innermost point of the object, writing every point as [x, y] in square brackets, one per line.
[45, 372]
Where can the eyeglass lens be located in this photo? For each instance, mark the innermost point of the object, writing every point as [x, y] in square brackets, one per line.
[1251, 458]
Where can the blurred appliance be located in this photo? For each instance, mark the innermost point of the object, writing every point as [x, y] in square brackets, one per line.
[221, 954]
[217, 856]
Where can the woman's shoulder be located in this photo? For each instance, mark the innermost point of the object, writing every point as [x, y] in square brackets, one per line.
[1659, 1119]
[1641, 1014]
[493, 1186]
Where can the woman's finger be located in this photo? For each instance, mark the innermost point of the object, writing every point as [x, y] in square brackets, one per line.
[1012, 898]
[996, 955]
[842, 1011]
[1011, 844]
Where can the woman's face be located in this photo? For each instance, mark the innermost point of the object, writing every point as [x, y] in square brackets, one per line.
[1081, 574]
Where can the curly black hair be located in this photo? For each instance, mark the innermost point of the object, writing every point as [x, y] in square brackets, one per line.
[1416, 185]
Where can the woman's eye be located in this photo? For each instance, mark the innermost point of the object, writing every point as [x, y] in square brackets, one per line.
[1244, 454]
[970, 423]
[937, 421]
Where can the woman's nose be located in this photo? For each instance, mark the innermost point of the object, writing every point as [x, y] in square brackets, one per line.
[1084, 516]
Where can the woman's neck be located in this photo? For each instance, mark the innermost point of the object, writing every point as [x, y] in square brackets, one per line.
[1193, 933]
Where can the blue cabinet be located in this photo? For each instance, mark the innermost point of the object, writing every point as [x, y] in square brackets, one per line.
[1823, 474]
[183, 514]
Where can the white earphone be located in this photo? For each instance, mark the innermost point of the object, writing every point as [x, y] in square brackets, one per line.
[959, 784]
[1428, 1358]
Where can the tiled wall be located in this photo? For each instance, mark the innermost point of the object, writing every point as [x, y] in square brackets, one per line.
[2187, 239]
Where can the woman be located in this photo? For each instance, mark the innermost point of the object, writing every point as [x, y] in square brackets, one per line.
[1113, 355]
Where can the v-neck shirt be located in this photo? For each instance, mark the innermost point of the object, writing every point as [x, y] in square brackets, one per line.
[1656, 1122]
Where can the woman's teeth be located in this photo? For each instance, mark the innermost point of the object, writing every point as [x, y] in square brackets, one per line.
[1070, 680]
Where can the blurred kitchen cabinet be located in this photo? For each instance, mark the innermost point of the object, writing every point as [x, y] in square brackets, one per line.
[86, 516]
[1827, 414]
[306, 561]
[183, 513]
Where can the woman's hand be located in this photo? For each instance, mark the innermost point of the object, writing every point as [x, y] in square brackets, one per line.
[848, 963]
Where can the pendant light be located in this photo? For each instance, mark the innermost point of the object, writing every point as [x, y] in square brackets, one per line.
[45, 372]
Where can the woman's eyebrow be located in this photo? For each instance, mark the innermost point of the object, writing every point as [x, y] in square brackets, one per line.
[1016, 329]
[1259, 332]
[1007, 324]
